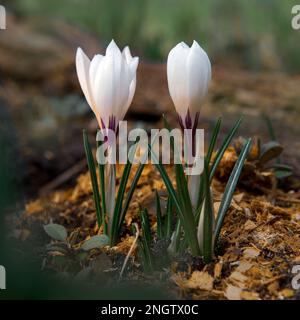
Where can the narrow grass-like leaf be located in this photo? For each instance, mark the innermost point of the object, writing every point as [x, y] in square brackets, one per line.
[117, 216]
[200, 198]
[208, 218]
[130, 193]
[145, 242]
[159, 222]
[175, 239]
[230, 187]
[92, 170]
[223, 148]
[183, 194]
[213, 139]
[145, 222]
[101, 168]
[186, 217]
[270, 127]
[169, 218]
[119, 202]
[145, 254]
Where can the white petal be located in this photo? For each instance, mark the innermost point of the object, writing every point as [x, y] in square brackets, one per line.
[108, 81]
[126, 78]
[130, 97]
[133, 66]
[199, 75]
[94, 66]
[112, 87]
[127, 54]
[112, 48]
[177, 77]
[103, 88]
[82, 68]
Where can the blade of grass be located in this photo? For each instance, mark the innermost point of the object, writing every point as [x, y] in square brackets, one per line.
[130, 193]
[145, 222]
[208, 218]
[230, 187]
[119, 201]
[183, 192]
[168, 225]
[212, 143]
[160, 232]
[146, 240]
[186, 217]
[270, 127]
[101, 168]
[175, 239]
[223, 148]
[213, 139]
[92, 170]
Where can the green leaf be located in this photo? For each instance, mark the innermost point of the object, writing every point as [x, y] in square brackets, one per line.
[223, 148]
[160, 232]
[94, 242]
[280, 174]
[169, 217]
[130, 192]
[92, 170]
[101, 168]
[270, 127]
[175, 239]
[120, 196]
[269, 151]
[213, 140]
[56, 231]
[145, 222]
[282, 170]
[230, 187]
[208, 218]
[186, 217]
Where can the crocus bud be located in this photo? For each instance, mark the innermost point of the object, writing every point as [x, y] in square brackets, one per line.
[108, 83]
[189, 74]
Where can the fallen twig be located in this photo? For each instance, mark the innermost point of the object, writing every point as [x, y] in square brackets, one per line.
[130, 250]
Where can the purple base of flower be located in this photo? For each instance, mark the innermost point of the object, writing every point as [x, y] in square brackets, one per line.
[112, 125]
[111, 129]
[189, 123]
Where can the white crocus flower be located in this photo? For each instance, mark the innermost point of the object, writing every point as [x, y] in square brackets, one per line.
[108, 83]
[189, 74]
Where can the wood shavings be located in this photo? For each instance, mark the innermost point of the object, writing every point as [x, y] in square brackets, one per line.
[200, 280]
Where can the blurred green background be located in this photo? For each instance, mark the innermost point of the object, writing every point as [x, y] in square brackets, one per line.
[256, 33]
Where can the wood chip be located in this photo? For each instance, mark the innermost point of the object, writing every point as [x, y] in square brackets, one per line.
[246, 295]
[249, 225]
[244, 266]
[251, 253]
[200, 280]
[233, 293]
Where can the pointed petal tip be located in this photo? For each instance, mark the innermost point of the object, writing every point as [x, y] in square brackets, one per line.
[112, 47]
[196, 45]
[79, 52]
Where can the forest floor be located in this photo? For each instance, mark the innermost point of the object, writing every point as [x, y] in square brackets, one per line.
[260, 241]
